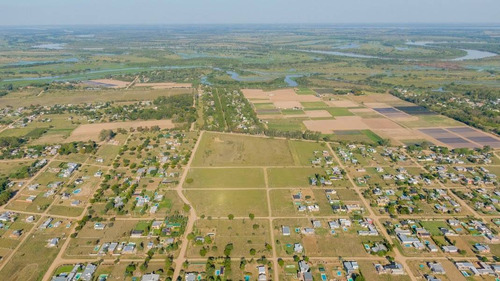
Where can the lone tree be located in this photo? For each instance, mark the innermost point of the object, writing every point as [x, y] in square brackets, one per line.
[106, 135]
[230, 216]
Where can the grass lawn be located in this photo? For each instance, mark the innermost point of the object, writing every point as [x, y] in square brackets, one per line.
[433, 227]
[291, 177]
[225, 177]
[222, 203]
[235, 150]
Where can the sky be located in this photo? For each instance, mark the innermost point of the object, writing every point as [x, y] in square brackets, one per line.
[70, 12]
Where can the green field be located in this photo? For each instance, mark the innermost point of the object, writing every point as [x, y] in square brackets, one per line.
[225, 177]
[291, 177]
[339, 111]
[303, 152]
[222, 203]
[234, 150]
[305, 91]
[314, 104]
[288, 124]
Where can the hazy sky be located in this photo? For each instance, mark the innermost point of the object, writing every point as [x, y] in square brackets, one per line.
[50, 12]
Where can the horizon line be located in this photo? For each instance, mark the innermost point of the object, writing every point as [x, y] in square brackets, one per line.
[256, 24]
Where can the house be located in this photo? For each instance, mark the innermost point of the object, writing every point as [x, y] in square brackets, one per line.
[316, 223]
[262, 273]
[297, 247]
[484, 268]
[285, 230]
[393, 268]
[308, 230]
[136, 233]
[432, 248]
[99, 226]
[333, 225]
[156, 224]
[16, 233]
[8, 217]
[436, 268]
[481, 248]
[350, 266]
[407, 240]
[345, 222]
[190, 276]
[151, 277]
[308, 276]
[88, 272]
[450, 249]
[303, 266]
[53, 242]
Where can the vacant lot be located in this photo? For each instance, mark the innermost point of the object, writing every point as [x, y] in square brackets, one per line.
[222, 203]
[225, 177]
[291, 177]
[235, 150]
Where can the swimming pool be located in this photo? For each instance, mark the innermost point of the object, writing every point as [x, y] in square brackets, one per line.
[76, 191]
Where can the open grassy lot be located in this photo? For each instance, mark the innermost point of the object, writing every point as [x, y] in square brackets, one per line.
[243, 234]
[107, 152]
[291, 177]
[66, 210]
[222, 203]
[234, 150]
[303, 152]
[225, 177]
[8, 167]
